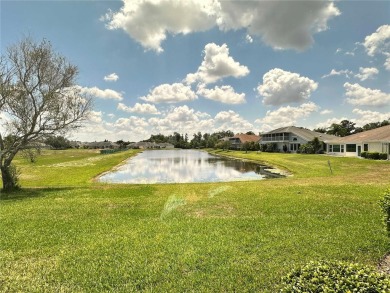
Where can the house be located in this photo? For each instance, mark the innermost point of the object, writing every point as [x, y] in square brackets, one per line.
[290, 138]
[374, 140]
[237, 141]
[103, 145]
[151, 145]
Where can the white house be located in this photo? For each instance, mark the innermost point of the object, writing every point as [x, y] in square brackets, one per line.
[375, 140]
[291, 138]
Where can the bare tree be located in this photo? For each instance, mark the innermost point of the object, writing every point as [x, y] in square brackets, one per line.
[38, 97]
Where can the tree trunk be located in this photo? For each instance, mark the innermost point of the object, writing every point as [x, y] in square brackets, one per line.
[10, 180]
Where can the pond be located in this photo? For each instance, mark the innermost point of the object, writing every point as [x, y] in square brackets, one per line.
[184, 166]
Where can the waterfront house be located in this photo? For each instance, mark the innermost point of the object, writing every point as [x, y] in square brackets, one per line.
[374, 140]
[290, 138]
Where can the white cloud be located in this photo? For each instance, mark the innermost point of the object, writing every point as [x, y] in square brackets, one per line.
[387, 63]
[224, 94]
[95, 116]
[139, 108]
[379, 43]
[111, 77]
[362, 96]
[281, 87]
[217, 64]
[231, 120]
[111, 115]
[170, 93]
[367, 116]
[281, 24]
[248, 39]
[288, 115]
[182, 114]
[334, 72]
[330, 121]
[326, 111]
[132, 122]
[366, 73]
[183, 120]
[149, 22]
[106, 94]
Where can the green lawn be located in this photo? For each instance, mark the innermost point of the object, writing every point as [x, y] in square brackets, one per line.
[65, 233]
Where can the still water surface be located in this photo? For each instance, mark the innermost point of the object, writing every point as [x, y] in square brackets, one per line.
[184, 166]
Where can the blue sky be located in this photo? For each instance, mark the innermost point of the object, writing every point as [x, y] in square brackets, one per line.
[159, 66]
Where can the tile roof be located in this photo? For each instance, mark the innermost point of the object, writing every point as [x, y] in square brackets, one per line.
[381, 134]
[247, 137]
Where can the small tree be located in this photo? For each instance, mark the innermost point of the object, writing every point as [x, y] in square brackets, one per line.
[38, 98]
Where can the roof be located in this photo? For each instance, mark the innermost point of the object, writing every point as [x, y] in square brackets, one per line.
[247, 137]
[381, 134]
[304, 133]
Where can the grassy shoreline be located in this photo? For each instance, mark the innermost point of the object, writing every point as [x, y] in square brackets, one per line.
[70, 234]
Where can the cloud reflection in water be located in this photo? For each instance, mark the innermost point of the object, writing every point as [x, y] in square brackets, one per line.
[184, 166]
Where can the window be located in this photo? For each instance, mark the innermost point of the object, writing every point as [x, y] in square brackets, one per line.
[365, 147]
[351, 148]
[336, 148]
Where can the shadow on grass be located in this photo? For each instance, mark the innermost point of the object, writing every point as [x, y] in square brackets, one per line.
[25, 193]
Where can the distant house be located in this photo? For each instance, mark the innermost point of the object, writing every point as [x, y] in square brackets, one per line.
[237, 141]
[291, 138]
[151, 145]
[375, 140]
[164, 145]
[102, 145]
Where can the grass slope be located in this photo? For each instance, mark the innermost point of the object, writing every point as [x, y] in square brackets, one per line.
[65, 233]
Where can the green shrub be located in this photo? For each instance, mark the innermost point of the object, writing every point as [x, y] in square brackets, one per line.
[335, 276]
[364, 154]
[382, 156]
[385, 205]
[373, 155]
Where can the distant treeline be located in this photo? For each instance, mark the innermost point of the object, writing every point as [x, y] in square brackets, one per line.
[346, 127]
[198, 140]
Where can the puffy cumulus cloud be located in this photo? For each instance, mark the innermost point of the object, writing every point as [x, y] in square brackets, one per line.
[288, 115]
[95, 117]
[367, 116]
[131, 123]
[224, 94]
[281, 87]
[362, 96]
[111, 77]
[347, 73]
[379, 43]
[330, 121]
[366, 73]
[139, 108]
[170, 93]
[231, 120]
[182, 119]
[281, 24]
[217, 64]
[182, 114]
[106, 94]
[149, 22]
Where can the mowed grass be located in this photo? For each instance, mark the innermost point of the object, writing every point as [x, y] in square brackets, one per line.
[66, 233]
